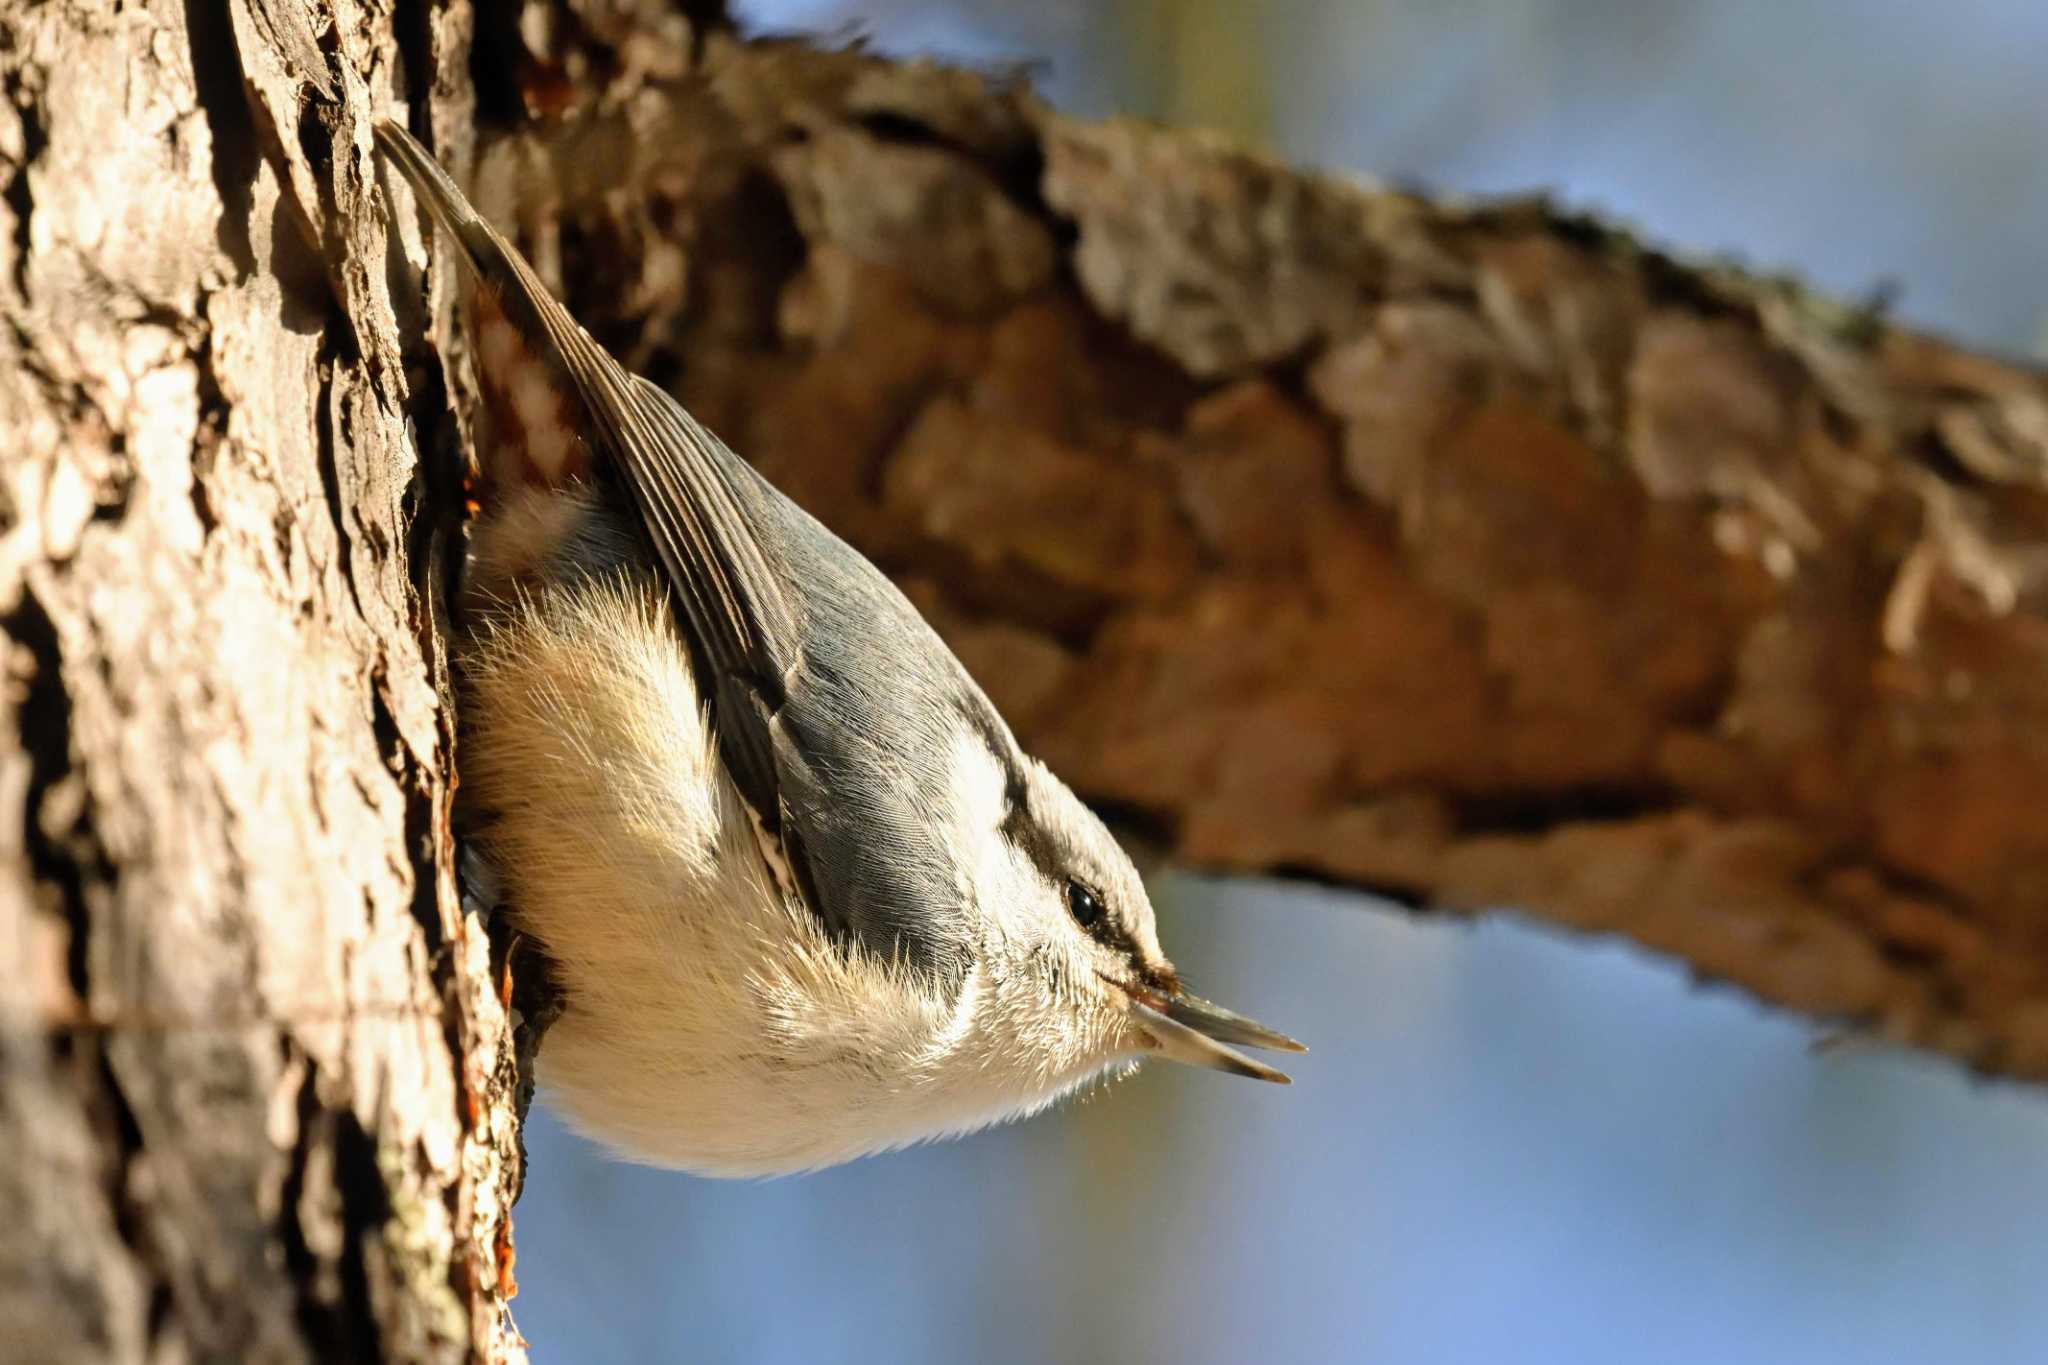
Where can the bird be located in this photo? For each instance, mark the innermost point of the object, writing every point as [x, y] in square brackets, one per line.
[803, 895]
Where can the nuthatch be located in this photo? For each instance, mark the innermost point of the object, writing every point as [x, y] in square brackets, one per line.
[803, 895]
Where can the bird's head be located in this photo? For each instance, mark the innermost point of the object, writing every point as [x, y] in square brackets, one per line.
[1074, 945]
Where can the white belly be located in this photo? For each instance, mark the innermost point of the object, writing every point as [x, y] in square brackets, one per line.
[709, 1023]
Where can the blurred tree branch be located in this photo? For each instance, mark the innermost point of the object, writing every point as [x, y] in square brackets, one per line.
[1473, 555]
[1476, 555]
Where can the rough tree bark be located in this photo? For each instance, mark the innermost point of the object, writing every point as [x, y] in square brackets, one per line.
[249, 1051]
[1477, 556]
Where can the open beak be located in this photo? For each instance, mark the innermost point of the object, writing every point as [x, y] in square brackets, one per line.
[1187, 1028]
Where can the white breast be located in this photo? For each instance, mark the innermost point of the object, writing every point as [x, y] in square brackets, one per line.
[709, 1024]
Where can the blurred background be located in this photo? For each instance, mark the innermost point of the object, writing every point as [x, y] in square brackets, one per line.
[1508, 1145]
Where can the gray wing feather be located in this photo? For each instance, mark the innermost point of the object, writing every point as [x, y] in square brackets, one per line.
[834, 703]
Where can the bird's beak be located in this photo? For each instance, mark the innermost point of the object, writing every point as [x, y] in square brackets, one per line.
[1187, 1028]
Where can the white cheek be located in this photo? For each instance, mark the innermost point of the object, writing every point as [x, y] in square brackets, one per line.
[979, 784]
[1009, 890]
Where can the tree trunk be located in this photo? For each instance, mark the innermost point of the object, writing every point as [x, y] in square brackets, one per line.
[249, 1050]
[1479, 557]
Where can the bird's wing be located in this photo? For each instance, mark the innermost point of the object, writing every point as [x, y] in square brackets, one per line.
[810, 783]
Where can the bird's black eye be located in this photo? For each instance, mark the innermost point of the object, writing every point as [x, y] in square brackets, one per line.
[1082, 903]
